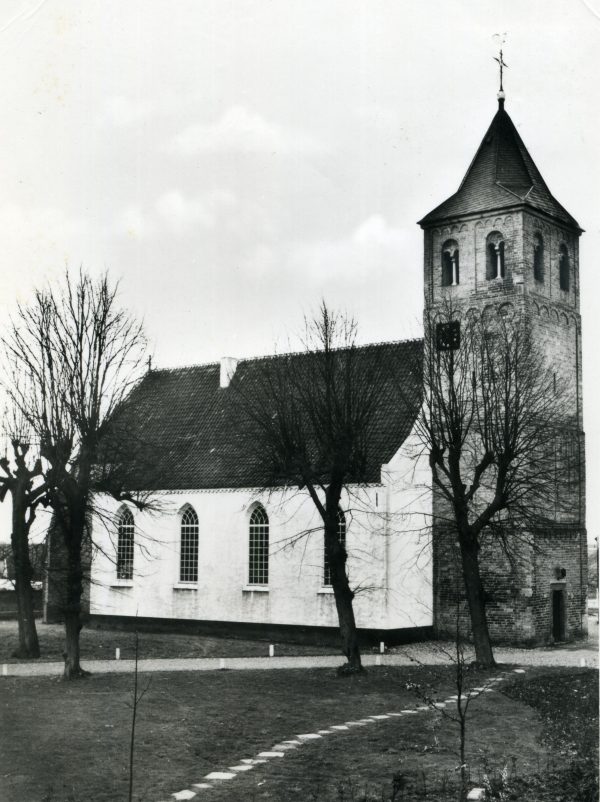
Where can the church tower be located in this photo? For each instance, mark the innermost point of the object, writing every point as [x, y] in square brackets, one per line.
[502, 243]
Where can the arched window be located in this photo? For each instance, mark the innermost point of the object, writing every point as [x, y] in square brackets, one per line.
[538, 257]
[450, 274]
[341, 533]
[125, 529]
[258, 547]
[494, 248]
[188, 555]
[563, 267]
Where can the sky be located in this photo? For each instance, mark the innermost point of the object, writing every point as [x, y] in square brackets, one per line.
[233, 162]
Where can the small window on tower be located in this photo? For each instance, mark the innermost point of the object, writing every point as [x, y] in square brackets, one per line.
[563, 267]
[494, 248]
[538, 257]
[450, 275]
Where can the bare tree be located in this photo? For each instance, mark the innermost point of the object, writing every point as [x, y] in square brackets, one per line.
[311, 418]
[80, 355]
[23, 481]
[458, 711]
[493, 420]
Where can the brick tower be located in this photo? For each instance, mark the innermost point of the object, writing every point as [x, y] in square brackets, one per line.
[503, 239]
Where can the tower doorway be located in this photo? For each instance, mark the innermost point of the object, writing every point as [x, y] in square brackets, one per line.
[559, 632]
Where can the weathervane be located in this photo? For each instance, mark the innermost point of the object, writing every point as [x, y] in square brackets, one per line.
[500, 60]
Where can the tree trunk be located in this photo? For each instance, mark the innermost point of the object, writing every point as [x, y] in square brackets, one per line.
[336, 555]
[476, 600]
[73, 669]
[349, 636]
[72, 613]
[29, 646]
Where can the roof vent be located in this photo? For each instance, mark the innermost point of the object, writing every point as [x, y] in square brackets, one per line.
[228, 367]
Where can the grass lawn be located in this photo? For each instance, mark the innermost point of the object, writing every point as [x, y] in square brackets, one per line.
[68, 742]
[100, 644]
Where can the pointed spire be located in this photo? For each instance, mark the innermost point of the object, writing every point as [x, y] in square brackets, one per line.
[502, 175]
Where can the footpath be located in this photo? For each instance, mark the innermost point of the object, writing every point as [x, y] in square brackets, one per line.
[429, 653]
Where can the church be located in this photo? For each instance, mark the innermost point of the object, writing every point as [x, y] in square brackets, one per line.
[222, 552]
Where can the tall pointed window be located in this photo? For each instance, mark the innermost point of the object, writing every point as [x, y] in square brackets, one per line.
[450, 274]
[341, 533]
[563, 267]
[538, 257]
[188, 555]
[494, 247]
[258, 547]
[125, 530]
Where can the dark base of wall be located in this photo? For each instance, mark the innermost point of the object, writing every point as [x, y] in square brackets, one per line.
[514, 640]
[316, 636]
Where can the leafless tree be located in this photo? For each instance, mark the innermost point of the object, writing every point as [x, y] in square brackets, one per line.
[495, 424]
[456, 710]
[22, 479]
[78, 354]
[311, 418]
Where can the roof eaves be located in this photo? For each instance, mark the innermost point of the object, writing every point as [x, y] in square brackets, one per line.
[520, 203]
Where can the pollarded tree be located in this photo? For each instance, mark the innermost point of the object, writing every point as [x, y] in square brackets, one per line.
[80, 354]
[309, 419]
[22, 479]
[493, 415]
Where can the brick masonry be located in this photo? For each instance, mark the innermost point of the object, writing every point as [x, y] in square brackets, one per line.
[521, 588]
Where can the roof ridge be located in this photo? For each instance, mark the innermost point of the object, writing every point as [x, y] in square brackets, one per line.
[282, 354]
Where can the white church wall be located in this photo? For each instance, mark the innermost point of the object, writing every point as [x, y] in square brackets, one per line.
[409, 589]
[392, 586]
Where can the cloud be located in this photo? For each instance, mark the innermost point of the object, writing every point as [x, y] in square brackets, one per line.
[375, 232]
[37, 243]
[372, 250]
[379, 115]
[174, 213]
[243, 131]
[121, 111]
[133, 222]
[180, 213]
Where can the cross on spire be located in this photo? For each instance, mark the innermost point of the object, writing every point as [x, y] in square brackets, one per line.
[502, 64]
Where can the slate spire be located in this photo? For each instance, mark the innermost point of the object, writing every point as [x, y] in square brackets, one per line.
[501, 176]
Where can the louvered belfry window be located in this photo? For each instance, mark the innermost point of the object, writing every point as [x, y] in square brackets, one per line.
[563, 268]
[258, 553]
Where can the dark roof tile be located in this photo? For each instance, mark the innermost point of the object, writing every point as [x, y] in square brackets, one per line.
[502, 175]
[192, 431]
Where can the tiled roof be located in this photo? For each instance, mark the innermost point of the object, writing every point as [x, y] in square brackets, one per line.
[502, 175]
[199, 437]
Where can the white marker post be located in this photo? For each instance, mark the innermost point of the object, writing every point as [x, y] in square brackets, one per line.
[117, 653]
[271, 650]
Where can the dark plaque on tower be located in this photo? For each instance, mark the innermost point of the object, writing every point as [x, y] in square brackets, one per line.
[447, 336]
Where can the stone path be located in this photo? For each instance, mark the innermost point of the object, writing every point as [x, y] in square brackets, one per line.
[279, 750]
[425, 653]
